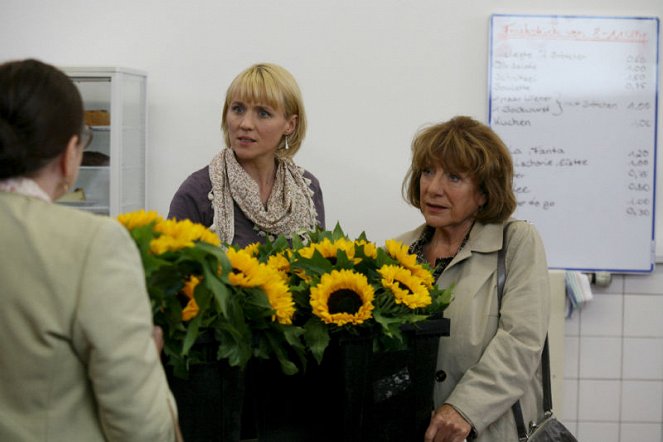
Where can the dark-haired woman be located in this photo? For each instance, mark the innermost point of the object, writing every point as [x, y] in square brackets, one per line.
[78, 360]
[460, 179]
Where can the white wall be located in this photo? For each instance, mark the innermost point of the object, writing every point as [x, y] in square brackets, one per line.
[371, 71]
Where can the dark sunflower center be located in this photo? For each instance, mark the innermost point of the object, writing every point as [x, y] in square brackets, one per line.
[401, 285]
[344, 301]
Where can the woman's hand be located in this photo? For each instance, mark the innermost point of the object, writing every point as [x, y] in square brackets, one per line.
[447, 425]
[157, 335]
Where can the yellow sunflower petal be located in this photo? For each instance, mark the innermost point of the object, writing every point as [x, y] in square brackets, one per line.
[370, 249]
[140, 218]
[400, 252]
[245, 269]
[279, 295]
[407, 288]
[252, 249]
[191, 310]
[280, 264]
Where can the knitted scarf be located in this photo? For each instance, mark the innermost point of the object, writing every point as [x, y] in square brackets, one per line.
[290, 209]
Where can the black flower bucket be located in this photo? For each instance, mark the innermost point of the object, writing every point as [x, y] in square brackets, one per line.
[209, 402]
[354, 394]
[402, 385]
[326, 403]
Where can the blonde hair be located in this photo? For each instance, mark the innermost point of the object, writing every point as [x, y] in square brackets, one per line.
[275, 86]
[464, 145]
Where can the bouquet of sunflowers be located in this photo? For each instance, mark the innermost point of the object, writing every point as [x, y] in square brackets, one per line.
[352, 287]
[212, 303]
[283, 299]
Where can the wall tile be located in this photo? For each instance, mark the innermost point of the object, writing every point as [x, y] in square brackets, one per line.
[602, 316]
[571, 357]
[645, 284]
[600, 358]
[613, 368]
[598, 432]
[570, 405]
[640, 432]
[642, 316]
[572, 426]
[643, 358]
[641, 401]
[599, 400]
[572, 324]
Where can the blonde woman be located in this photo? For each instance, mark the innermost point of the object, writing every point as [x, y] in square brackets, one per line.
[252, 188]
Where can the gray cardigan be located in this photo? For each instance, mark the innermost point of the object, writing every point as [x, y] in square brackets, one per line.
[191, 202]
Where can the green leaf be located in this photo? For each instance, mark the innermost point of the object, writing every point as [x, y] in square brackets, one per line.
[221, 292]
[235, 345]
[191, 334]
[388, 324]
[316, 336]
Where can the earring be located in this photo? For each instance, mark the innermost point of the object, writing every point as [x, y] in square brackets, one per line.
[286, 142]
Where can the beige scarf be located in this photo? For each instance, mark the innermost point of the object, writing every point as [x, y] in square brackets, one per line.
[290, 209]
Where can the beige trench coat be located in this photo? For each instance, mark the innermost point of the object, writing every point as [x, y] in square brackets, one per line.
[491, 362]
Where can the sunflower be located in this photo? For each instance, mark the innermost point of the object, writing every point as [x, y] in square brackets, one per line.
[246, 270]
[280, 264]
[400, 253]
[176, 235]
[278, 294]
[342, 297]
[370, 250]
[329, 249]
[252, 249]
[140, 218]
[406, 287]
[191, 310]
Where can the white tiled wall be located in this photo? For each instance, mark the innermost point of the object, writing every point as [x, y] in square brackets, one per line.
[613, 368]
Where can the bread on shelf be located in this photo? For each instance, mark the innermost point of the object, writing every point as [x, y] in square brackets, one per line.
[97, 117]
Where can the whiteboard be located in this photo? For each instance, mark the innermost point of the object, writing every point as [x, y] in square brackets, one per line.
[575, 100]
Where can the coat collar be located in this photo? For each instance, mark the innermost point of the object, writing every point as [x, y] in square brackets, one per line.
[484, 238]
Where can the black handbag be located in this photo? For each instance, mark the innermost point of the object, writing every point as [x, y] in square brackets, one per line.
[547, 428]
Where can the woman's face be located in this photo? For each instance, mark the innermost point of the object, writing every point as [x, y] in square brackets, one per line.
[255, 129]
[448, 200]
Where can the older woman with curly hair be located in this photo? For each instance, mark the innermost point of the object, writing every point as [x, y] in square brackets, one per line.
[460, 179]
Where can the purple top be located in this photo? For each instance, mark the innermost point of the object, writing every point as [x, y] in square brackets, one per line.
[191, 202]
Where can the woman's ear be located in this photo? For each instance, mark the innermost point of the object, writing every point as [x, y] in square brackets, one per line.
[291, 125]
[70, 161]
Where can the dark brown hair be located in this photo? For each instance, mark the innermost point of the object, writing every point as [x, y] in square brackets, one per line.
[463, 145]
[40, 110]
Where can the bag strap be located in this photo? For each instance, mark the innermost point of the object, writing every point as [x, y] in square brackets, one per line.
[545, 355]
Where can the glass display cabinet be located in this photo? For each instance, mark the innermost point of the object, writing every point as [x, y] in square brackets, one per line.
[112, 175]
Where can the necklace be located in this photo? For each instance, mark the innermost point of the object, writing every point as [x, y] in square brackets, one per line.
[441, 263]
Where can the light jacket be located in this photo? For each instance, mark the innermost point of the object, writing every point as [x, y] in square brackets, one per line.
[77, 360]
[492, 360]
